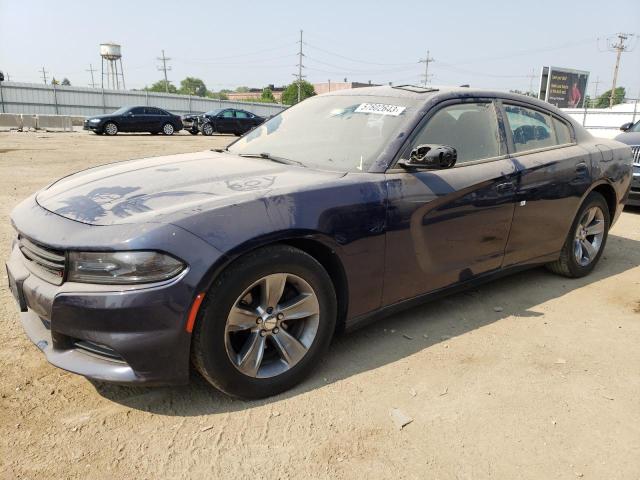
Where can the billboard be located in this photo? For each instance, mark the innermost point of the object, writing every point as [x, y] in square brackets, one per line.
[563, 87]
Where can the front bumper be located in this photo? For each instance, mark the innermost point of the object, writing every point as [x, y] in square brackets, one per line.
[121, 334]
[634, 192]
[95, 127]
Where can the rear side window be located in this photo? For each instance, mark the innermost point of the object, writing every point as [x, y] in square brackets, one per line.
[530, 128]
[241, 114]
[155, 111]
[137, 111]
[563, 134]
[470, 128]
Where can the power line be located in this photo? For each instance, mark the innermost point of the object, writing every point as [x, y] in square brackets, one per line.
[427, 60]
[619, 48]
[355, 60]
[164, 69]
[91, 70]
[44, 75]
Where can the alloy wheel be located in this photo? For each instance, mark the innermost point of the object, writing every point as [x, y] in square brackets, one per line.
[167, 129]
[110, 129]
[272, 325]
[207, 129]
[588, 236]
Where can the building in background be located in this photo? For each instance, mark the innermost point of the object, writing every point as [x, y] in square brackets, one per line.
[330, 86]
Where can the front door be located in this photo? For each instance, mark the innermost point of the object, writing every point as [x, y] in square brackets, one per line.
[449, 226]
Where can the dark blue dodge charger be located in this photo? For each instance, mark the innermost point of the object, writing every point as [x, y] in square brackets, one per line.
[244, 262]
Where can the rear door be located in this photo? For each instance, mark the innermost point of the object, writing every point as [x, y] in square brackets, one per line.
[243, 121]
[132, 120]
[553, 175]
[156, 118]
[449, 226]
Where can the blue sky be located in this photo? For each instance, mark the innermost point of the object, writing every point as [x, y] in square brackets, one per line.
[253, 43]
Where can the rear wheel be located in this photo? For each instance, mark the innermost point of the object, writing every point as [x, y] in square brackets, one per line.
[111, 129]
[265, 323]
[586, 240]
[168, 129]
[207, 129]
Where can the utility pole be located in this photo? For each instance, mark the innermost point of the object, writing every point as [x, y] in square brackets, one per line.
[531, 76]
[300, 67]
[618, 47]
[44, 75]
[91, 69]
[164, 69]
[426, 62]
[595, 93]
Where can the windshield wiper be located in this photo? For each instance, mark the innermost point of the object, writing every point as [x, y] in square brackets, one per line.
[273, 158]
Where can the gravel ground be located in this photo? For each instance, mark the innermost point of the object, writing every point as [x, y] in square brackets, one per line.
[533, 376]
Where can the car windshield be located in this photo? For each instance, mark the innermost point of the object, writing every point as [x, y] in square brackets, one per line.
[345, 133]
[213, 113]
[121, 110]
[635, 128]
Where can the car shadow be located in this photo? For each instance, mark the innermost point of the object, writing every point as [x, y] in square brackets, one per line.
[394, 337]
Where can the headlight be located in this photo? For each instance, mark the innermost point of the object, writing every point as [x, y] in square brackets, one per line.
[122, 267]
[94, 120]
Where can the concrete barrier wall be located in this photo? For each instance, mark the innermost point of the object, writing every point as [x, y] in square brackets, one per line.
[13, 121]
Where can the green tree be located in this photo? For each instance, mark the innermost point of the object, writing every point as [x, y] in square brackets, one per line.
[66, 82]
[267, 95]
[54, 81]
[242, 89]
[290, 94]
[193, 86]
[221, 95]
[159, 86]
[618, 97]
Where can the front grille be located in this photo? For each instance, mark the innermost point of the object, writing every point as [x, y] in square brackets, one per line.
[635, 150]
[43, 262]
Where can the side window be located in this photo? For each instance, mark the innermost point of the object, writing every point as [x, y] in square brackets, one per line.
[137, 111]
[227, 114]
[471, 128]
[530, 128]
[241, 114]
[563, 134]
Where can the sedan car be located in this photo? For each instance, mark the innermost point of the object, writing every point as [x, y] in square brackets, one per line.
[228, 120]
[135, 119]
[244, 262]
[631, 136]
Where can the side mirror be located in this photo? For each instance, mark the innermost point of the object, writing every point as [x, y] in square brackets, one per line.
[626, 126]
[430, 157]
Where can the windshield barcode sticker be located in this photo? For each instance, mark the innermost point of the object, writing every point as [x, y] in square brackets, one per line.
[380, 109]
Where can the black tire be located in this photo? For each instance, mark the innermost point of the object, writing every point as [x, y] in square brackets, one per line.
[207, 129]
[110, 129]
[567, 265]
[97, 132]
[168, 129]
[193, 132]
[154, 133]
[237, 134]
[208, 350]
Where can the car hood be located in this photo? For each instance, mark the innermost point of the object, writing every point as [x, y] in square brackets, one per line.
[630, 138]
[157, 189]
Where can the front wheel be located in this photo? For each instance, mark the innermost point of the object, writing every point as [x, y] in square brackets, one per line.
[586, 240]
[207, 129]
[168, 129]
[111, 129]
[265, 323]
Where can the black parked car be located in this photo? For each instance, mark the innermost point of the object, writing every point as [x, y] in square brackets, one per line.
[348, 206]
[631, 137]
[228, 120]
[135, 119]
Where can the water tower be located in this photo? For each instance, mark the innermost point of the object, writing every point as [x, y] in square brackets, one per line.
[111, 57]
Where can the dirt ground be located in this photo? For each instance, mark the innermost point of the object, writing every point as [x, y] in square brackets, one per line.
[533, 376]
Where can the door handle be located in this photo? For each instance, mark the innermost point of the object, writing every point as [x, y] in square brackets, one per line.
[505, 187]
